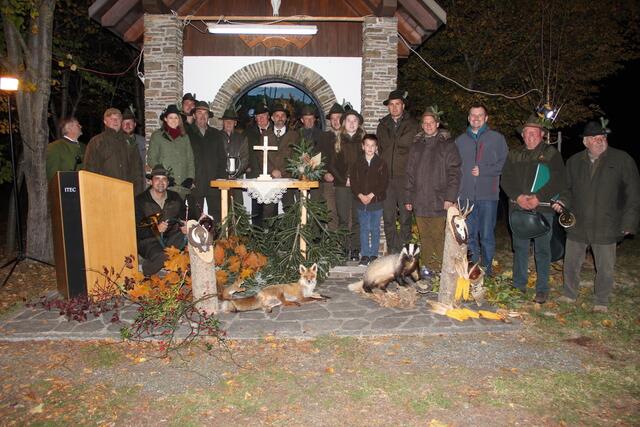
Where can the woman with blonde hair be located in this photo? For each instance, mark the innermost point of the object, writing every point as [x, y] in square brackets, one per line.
[170, 146]
[344, 154]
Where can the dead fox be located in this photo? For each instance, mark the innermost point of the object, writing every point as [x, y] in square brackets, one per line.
[272, 296]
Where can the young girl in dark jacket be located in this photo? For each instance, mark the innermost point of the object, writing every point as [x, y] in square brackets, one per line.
[369, 177]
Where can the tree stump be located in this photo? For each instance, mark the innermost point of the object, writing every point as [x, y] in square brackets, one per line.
[455, 253]
[203, 271]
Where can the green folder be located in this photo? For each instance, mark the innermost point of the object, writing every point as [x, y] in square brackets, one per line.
[542, 177]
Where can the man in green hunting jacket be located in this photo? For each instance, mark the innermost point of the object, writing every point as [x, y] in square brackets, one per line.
[66, 153]
[603, 193]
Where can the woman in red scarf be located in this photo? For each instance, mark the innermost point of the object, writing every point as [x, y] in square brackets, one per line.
[170, 146]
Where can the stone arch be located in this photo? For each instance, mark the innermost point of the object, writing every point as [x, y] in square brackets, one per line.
[276, 69]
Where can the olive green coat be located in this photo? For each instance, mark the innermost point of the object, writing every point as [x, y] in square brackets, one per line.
[605, 203]
[64, 155]
[175, 155]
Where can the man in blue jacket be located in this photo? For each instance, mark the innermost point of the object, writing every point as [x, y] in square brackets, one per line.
[483, 152]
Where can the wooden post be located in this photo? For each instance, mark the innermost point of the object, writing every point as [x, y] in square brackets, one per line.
[224, 204]
[203, 277]
[303, 222]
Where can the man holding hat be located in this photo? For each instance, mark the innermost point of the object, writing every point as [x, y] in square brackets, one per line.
[154, 234]
[209, 160]
[603, 192]
[522, 180]
[396, 132]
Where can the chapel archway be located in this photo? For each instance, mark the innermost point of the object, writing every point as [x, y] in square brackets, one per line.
[290, 72]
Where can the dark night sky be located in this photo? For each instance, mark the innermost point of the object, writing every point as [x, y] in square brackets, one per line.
[617, 93]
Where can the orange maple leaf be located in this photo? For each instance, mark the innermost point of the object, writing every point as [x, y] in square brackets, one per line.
[222, 277]
[177, 262]
[218, 254]
[241, 251]
[246, 272]
[250, 261]
[140, 291]
[234, 264]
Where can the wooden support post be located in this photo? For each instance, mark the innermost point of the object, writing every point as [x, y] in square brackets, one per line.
[303, 222]
[224, 205]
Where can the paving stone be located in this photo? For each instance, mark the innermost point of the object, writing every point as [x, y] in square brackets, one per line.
[116, 326]
[28, 313]
[419, 321]
[304, 315]
[355, 324]
[65, 326]
[318, 328]
[33, 326]
[348, 314]
[388, 323]
[400, 313]
[251, 315]
[90, 326]
[339, 306]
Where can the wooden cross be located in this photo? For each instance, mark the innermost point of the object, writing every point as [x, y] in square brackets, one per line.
[265, 148]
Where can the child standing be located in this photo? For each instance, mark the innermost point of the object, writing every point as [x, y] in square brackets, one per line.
[369, 177]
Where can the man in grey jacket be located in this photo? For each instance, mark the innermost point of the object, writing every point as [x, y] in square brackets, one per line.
[603, 193]
[483, 152]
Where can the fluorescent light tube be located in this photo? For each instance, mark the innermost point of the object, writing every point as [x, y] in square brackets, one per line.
[262, 29]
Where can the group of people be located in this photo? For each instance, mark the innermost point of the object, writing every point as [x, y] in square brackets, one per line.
[406, 168]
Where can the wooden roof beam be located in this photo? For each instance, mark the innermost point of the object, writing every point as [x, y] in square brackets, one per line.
[135, 32]
[97, 7]
[116, 12]
[387, 8]
[420, 14]
[156, 7]
[408, 32]
[359, 7]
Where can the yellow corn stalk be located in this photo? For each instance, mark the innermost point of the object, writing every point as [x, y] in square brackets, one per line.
[458, 314]
[471, 313]
[490, 315]
[462, 289]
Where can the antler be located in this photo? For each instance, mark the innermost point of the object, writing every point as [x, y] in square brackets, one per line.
[467, 210]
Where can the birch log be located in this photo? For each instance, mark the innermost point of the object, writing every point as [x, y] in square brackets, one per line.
[453, 254]
[203, 276]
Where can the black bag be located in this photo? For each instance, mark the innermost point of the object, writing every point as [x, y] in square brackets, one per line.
[528, 224]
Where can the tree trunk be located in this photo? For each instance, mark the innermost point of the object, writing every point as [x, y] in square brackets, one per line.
[454, 253]
[203, 280]
[30, 60]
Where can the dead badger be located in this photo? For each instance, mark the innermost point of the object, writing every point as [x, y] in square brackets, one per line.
[388, 268]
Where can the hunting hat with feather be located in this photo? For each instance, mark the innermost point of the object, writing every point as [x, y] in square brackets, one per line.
[127, 114]
[158, 170]
[204, 105]
[171, 109]
[309, 110]
[279, 107]
[335, 109]
[594, 128]
[229, 114]
[534, 121]
[349, 111]
[189, 97]
[261, 109]
[396, 94]
[434, 112]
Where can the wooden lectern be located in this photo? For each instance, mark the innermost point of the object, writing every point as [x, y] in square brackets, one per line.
[93, 220]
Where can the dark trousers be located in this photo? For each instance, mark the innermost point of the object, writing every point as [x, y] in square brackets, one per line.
[392, 209]
[152, 251]
[605, 260]
[348, 214]
[329, 195]
[431, 231]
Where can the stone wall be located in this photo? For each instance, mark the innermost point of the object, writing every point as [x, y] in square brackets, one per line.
[379, 67]
[162, 67]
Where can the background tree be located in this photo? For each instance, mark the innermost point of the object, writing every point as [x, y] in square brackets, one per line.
[28, 29]
[560, 49]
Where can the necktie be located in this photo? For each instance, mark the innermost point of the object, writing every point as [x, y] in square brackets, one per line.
[278, 132]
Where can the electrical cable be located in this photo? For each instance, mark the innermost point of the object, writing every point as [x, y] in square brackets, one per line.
[461, 85]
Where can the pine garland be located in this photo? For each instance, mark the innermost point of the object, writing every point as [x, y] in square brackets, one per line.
[302, 164]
